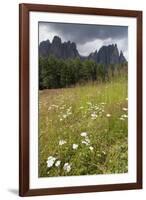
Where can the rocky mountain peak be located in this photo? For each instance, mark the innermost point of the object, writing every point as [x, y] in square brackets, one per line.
[44, 48]
[122, 59]
[106, 55]
[56, 40]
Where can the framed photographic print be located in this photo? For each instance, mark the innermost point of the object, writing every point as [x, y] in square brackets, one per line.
[80, 99]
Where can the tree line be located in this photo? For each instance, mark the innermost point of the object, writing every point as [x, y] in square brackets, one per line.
[59, 73]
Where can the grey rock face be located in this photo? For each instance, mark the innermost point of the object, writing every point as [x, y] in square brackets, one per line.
[122, 59]
[55, 48]
[106, 55]
[44, 48]
[69, 50]
[93, 56]
[114, 55]
[58, 49]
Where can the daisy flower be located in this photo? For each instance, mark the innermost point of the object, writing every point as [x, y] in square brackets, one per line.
[67, 167]
[50, 161]
[57, 164]
[61, 142]
[75, 146]
[83, 134]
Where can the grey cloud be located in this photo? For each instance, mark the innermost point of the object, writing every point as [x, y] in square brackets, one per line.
[84, 33]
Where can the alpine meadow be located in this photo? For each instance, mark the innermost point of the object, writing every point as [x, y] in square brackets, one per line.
[83, 99]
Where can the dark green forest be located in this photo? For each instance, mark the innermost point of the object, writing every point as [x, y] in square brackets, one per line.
[59, 73]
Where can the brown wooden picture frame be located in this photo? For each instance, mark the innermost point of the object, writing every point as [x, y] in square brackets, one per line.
[24, 9]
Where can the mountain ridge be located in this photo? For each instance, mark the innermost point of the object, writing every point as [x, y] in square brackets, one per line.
[106, 55]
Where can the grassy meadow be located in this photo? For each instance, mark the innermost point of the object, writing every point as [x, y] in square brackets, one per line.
[84, 130]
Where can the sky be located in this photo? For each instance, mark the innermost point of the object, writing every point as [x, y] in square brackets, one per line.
[87, 37]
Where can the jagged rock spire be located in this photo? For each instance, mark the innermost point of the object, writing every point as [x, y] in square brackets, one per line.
[106, 54]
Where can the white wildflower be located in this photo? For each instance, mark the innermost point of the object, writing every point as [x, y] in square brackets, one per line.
[83, 134]
[93, 116]
[61, 142]
[85, 142]
[64, 116]
[50, 161]
[91, 148]
[103, 152]
[57, 164]
[108, 115]
[69, 113]
[102, 103]
[53, 105]
[75, 146]
[121, 118]
[67, 167]
[124, 116]
[96, 107]
[125, 109]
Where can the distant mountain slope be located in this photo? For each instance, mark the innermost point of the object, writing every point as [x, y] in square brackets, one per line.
[106, 54]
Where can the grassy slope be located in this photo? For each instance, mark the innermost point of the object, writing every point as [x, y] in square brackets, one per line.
[66, 113]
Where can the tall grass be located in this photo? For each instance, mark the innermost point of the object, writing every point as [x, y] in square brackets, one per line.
[84, 130]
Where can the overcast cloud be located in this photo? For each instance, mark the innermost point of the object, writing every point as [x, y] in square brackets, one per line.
[88, 38]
